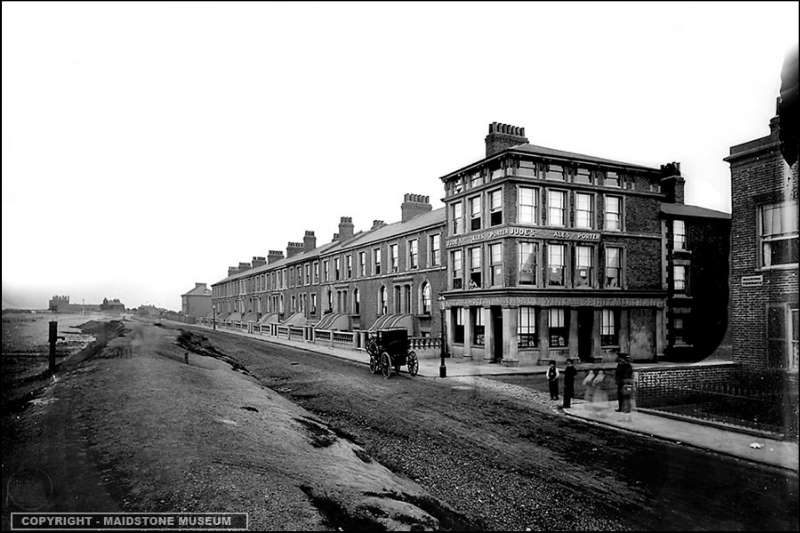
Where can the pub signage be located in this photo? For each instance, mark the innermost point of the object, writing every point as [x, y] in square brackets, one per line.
[515, 231]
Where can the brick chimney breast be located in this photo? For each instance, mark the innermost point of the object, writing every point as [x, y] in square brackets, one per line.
[345, 228]
[503, 136]
[274, 255]
[672, 183]
[293, 248]
[414, 205]
[309, 241]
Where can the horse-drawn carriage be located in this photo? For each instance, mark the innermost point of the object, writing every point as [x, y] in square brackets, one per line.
[388, 350]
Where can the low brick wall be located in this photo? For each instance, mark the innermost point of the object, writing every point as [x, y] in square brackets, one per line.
[679, 383]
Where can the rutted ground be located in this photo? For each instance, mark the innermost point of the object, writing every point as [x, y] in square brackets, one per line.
[133, 427]
[511, 462]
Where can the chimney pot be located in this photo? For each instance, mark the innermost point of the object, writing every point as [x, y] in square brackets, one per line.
[503, 136]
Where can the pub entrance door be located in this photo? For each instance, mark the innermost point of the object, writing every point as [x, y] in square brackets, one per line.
[585, 322]
[496, 314]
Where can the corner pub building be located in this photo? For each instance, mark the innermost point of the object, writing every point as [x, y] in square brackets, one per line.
[539, 254]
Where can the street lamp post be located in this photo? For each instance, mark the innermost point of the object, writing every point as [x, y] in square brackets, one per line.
[443, 351]
[214, 309]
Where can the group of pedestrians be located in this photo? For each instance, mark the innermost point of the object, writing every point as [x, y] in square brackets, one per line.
[593, 383]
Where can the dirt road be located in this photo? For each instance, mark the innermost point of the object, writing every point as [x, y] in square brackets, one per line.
[514, 463]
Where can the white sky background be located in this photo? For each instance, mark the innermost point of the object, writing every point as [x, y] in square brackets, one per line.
[147, 146]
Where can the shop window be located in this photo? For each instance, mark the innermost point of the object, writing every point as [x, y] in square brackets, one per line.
[475, 268]
[556, 201]
[558, 330]
[527, 204]
[496, 207]
[583, 266]
[609, 327]
[612, 213]
[584, 212]
[458, 325]
[555, 265]
[613, 270]
[778, 234]
[527, 336]
[478, 329]
[457, 262]
[496, 265]
[678, 235]
[475, 213]
[527, 263]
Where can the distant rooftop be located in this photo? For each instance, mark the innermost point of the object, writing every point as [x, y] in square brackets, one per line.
[683, 210]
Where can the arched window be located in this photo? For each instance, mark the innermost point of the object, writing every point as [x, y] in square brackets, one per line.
[356, 302]
[382, 304]
[426, 298]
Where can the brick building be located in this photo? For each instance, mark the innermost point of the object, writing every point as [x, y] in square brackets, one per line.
[539, 254]
[387, 276]
[196, 303]
[764, 254]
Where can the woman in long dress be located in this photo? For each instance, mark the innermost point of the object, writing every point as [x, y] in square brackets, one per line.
[600, 398]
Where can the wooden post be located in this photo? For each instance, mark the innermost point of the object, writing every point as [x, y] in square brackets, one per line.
[53, 336]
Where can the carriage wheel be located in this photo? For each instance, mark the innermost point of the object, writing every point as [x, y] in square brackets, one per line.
[386, 365]
[412, 363]
[373, 364]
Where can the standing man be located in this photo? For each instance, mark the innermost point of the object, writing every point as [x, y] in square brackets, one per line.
[623, 375]
[552, 380]
[569, 383]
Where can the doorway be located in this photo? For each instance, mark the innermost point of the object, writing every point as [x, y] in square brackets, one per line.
[585, 322]
[496, 314]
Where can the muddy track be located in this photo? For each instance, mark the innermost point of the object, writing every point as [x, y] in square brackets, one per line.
[510, 464]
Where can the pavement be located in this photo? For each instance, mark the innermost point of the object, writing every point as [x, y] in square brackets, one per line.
[772, 452]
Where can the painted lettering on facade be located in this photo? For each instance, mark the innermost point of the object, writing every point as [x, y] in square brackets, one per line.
[516, 231]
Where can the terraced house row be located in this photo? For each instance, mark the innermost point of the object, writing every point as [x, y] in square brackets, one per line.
[537, 254]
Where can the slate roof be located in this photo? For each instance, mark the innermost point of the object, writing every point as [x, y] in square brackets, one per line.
[683, 210]
[544, 151]
[197, 291]
[361, 238]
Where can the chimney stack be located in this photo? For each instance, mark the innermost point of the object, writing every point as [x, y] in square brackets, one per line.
[233, 270]
[345, 228]
[258, 261]
[199, 285]
[274, 255]
[335, 237]
[672, 182]
[293, 248]
[414, 205]
[377, 224]
[309, 241]
[244, 266]
[503, 136]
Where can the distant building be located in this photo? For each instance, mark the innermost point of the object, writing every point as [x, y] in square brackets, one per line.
[197, 302]
[60, 304]
[112, 306]
[764, 254]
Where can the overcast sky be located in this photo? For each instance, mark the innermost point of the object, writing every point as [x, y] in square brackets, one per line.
[147, 146]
